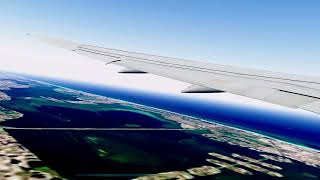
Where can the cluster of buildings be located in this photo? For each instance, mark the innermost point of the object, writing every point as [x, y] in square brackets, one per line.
[253, 165]
[183, 175]
[253, 141]
[6, 114]
[86, 98]
[237, 163]
[18, 163]
[276, 158]
[276, 150]
[4, 96]
[279, 149]
[7, 85]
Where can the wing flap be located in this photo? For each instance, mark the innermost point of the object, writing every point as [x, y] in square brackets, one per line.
[288, 99]
[313, 107]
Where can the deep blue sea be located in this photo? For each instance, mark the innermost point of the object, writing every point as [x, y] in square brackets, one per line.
[298, 128]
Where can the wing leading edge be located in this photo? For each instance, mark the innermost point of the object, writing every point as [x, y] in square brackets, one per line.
[289, 90]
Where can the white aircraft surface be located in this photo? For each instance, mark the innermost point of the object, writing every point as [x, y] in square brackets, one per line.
[288, 90]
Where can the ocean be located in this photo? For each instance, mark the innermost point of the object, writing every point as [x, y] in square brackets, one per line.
[298, 128]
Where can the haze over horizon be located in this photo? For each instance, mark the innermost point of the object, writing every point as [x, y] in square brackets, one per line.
[273, 35]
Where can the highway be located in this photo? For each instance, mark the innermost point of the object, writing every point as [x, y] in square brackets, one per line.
[93, 129]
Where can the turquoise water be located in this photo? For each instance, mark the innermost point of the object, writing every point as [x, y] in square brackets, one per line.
[294, 127]
[110, 154]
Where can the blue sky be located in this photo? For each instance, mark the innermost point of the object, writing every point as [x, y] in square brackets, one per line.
[278, 35]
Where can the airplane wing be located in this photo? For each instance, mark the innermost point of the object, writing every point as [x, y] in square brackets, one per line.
[289, 90]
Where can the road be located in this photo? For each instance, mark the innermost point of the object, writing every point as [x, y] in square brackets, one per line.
[95, 129]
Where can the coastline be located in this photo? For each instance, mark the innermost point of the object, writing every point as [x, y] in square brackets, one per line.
[71, 85]
[211, 121]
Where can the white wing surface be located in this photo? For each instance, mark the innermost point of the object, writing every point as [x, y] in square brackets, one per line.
[289, 90]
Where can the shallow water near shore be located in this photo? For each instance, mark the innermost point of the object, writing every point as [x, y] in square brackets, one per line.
[294, 127]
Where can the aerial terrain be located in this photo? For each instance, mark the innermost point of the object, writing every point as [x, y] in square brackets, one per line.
[53, 132]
